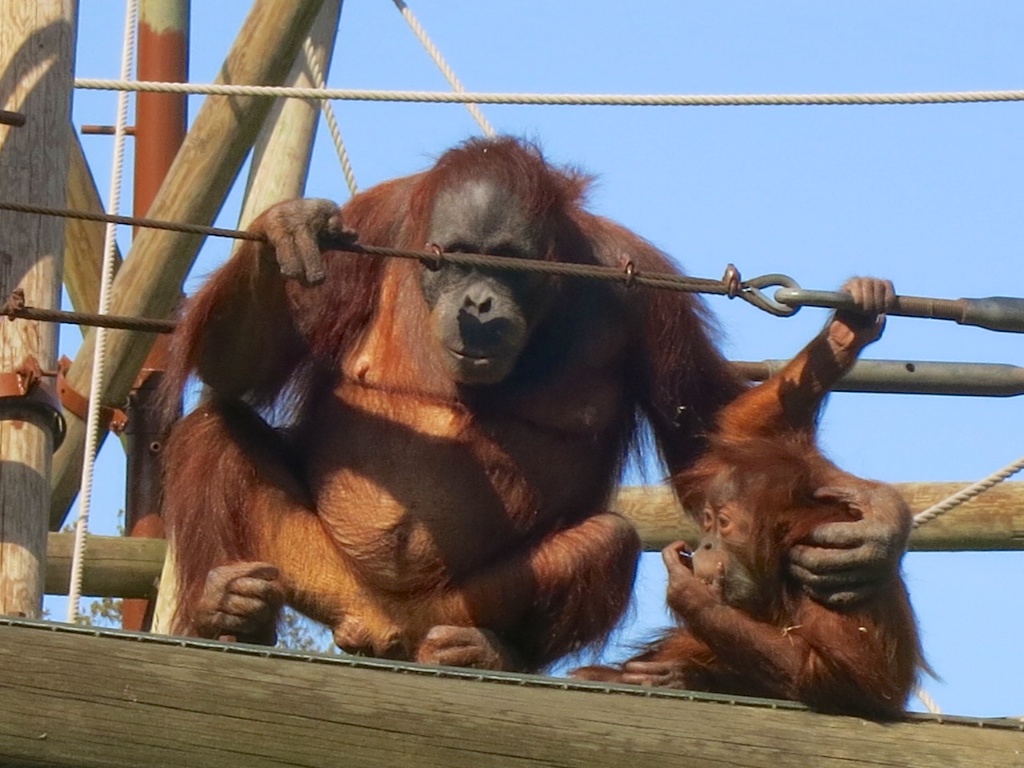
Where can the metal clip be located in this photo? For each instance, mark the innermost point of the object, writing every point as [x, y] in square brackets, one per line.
[24, 394]
[751, 292]
[630, 272]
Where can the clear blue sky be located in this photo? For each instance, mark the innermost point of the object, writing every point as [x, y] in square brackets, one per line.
[929, 196]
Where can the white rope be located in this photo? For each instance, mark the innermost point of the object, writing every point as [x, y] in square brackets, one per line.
[926, 699]
[563, 99]
[448, 72]
[332, 122]
[968, 493]
[99, 354]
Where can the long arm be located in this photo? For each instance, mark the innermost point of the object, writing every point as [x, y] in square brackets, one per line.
[277, 302]
[238, 334]
[241, 332]
[790, 399]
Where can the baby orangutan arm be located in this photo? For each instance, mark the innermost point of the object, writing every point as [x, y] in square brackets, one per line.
[770, 659]
[843, 563]
[790, 399]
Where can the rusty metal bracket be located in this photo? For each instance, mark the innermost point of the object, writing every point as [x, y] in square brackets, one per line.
[24, 393]
[76, 403]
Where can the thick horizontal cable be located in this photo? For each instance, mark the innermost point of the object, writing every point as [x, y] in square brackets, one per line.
[132, 221]
[561, 99]
[878, 376]
[627, 275]
[89, 319]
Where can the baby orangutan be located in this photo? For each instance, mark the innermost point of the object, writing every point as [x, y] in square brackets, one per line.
[762, 488]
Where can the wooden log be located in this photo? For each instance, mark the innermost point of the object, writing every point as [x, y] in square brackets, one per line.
[72, 698]
[280, 157]
[114, 566]
[37, 49]
[149, 282]
[84, 240]
[992, 521]
[83, 245]
[166, 596]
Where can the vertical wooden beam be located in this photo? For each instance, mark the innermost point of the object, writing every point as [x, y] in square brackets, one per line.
[149, 282]
[37, 45]
[280, 158]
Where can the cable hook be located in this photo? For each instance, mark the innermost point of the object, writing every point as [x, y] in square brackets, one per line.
[751, 292]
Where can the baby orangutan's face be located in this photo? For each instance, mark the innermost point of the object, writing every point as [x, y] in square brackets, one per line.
[717, 559]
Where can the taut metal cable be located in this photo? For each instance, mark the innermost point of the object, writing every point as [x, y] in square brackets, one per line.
[997, 313]
[563, 99]
[628, 275]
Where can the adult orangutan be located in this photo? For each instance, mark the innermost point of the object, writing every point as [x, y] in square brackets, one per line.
[750, 628]
[422, 458]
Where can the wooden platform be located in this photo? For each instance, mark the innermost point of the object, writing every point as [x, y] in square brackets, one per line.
[76, 697]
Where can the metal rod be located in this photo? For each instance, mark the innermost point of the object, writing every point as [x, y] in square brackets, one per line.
[913, 377]
[92, 320]
[996, 313]
[15, 119]
[893, 376]
[104, 130]
[161, 121]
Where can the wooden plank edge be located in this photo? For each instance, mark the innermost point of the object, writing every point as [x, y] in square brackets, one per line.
[78, 698]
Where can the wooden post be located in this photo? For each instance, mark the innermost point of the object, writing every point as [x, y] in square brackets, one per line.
[280, 158]
[149, 282]
[37, 44]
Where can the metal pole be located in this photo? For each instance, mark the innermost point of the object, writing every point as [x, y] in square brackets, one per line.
[160, 126]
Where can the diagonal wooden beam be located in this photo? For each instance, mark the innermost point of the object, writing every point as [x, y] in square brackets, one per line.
[83, 241]
[149, 282]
